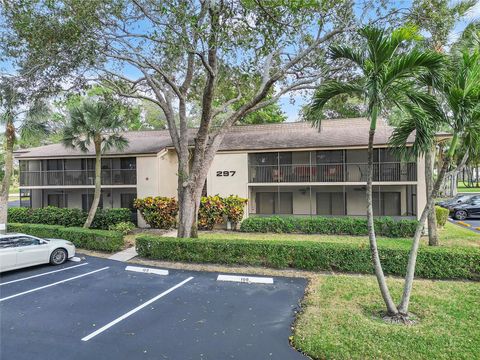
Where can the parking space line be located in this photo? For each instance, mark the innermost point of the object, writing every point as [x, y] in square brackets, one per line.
[133, 311]
[47, 273]
[52, 284]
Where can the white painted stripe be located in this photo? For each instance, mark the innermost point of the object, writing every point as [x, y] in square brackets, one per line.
[47, 273]
[246, 279]
[53, 284]
[133, 311]
[147, 270]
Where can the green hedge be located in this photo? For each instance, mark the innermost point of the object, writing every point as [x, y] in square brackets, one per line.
[51, 215]
[384, 226]
[432, 262]
[102, 240]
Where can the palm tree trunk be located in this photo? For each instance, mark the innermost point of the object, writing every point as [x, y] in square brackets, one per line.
[98, 184]
[382, 283]
[429, 182]
[5, 188]
[407, 289]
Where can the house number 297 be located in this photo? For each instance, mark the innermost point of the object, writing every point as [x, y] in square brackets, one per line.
[226, 173]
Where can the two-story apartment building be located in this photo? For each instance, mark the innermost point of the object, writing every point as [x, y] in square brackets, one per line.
[284, 169]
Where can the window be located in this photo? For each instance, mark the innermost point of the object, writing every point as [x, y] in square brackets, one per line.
[27, 241]
[25, 198]
[126, 200]
[57, 200]
[274, 203]
[330, 203]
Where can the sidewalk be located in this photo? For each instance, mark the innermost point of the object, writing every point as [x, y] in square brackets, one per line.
[131, 252]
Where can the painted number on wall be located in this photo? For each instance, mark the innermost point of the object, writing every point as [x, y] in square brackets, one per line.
[226, 173]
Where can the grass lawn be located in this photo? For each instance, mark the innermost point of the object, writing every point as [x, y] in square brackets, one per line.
[451, 236]
[463, 189]
[341, 320]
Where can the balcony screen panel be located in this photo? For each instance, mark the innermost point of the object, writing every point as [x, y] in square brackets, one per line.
[126, 200]
[128, 163]
[323, 203]
[329, 157]
[54, 164]
[263, 159]
[330, 203]
[57, 200]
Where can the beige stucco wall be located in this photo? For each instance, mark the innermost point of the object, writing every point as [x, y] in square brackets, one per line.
[147, 176]
[232, 184]
[167, 174]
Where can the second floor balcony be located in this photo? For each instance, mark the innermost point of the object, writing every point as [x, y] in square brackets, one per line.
[77, 177]
[77, 172]
[328, 166]
[340, 172]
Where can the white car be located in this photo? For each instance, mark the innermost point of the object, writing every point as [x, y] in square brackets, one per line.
[20, 250]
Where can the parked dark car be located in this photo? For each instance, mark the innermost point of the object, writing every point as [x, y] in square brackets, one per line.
[466, 210]
[459, 199]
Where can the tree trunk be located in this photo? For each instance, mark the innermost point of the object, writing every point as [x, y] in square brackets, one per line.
[432, 219]
[407, 289]
[98, 184]
[5, 188]
[391, 308]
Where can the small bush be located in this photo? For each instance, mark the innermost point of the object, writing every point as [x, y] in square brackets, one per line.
[211, 212]
[123, 227]
[158, 212]
[234, 207]
[432, 262]
[442, 216]
[52, 215]
[89, 239]
[384, 226]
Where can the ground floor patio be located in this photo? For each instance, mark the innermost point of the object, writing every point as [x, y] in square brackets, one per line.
[343, 200]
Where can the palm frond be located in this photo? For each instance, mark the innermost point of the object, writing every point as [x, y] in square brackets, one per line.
[345, 52]
[327, 91]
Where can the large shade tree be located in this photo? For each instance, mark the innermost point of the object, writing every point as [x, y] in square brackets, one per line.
[455, 106]
[94, 124]
[21, 115]
[186, 52]
[384, 62]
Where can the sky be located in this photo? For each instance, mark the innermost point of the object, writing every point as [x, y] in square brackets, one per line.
[291, 104]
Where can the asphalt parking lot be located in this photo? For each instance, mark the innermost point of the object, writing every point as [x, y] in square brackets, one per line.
[474, 224]
[95, 309]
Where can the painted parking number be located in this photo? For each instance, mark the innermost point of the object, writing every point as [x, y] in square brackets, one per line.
[226, 173]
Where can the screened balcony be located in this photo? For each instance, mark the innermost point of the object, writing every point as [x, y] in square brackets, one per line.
[77, 172]
[327, 166]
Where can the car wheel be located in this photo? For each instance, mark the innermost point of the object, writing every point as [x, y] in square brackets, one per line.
[58, 257]
[460, 215]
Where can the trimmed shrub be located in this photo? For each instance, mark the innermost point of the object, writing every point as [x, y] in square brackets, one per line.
[384, 226]
[432, 262]
[158, 212]
[442, 216]
[104, 218]
[234, 207]
[52, 215]
[123, 227]
[211, 212]
[89, 239]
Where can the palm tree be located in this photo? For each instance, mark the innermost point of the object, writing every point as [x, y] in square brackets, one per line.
[22, 115]
[97, 124]
[457, 105]
[385, 63]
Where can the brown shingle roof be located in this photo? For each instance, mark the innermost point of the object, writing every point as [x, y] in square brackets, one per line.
[334, 133]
